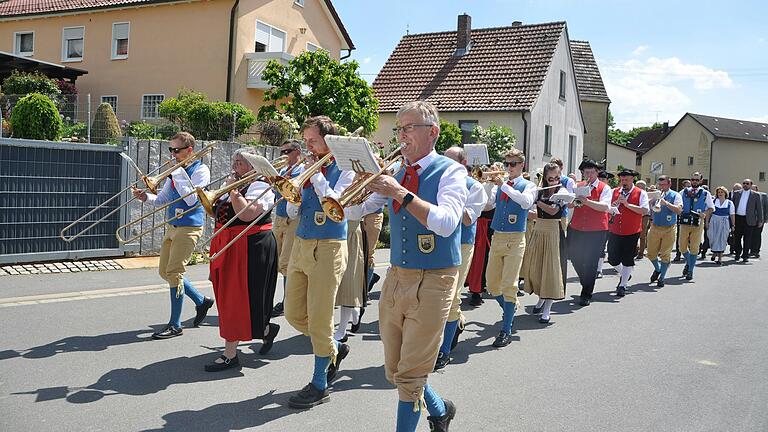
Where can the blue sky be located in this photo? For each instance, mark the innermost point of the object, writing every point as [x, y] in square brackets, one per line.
[659, 59]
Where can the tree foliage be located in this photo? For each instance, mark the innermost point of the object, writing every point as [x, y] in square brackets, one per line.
[23, 83]
[499, 140]
[450, 135]
[316, 84]
[191, 111]
[36, 117]
[620, 137]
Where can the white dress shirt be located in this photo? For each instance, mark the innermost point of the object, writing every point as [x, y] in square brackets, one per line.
[742, 210]
[445, 216]
[607, 194]
[643, 200]
[725, 204]
[525, 199]
[476, 200]
[254, 190]
[183, 185]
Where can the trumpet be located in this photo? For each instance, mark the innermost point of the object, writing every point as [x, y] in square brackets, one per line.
[356, 193]
[152, 183]
[485, 176]
[290, 189]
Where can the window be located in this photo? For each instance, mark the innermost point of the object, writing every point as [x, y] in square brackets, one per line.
[571, 155]
[120, 33]
[312, 47]
[467, 126]
[761, 176]
[269, 39]
[548, 140]
[674, 161]
[149, 103]
[24, 43]
[112, 100]
[562, 85]
[72, 43]
[690, 160]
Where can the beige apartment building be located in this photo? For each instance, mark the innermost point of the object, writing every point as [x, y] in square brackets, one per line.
[140, 52]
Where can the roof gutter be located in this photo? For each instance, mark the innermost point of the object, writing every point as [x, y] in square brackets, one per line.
[349, 53]
[525, 132]
[230, 55]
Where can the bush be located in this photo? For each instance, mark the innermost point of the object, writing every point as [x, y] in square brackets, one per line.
[141, 130]
[214, 121]
[450, 135]
[176, 110]
[35, 117]
[105, 128]
[75, 130]
[22, 83]
[167, 130]
[499, 140]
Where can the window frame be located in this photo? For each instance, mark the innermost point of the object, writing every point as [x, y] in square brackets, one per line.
[563, 82]
[17, 45]
[64, 58]
[114, 55]
[573, 142]
[761, 176]
[141, 107]
[256, 29]
[115, 106]
[547, 140]
[475, 124]
[674, 161]
[317, 47]
[690, 160]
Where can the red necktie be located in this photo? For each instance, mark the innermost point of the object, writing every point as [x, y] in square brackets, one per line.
[410, 181]
[504, 196]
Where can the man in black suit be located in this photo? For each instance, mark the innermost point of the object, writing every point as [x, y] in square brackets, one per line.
[749, 217]
[757, 237]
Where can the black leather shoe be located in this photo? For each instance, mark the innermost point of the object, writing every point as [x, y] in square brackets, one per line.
[269, 339]
[688, 276]
[678, 258]
[356, 327]
[334, 368]
[441, 423]
[745, 259]
[308, 397]
[712, 258]
[202, 311]
[277, 310]
[502, 340]
[168, 332]
[537, 310]
[621, 291]
[477, 300]
[544, 320]
[584, 301]
[655, 276]
[685, 270]
[442, 360]
[660, 283]
[374, 280]
[226, 363]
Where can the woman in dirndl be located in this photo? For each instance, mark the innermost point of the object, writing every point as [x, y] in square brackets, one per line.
[245, 274]
[545, 256]
[720, 224]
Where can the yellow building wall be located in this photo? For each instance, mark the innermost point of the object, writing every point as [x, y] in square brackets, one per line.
[734, 160]
[688, 138]
[620, 155]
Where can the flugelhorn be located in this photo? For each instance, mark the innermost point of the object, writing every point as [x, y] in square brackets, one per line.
[152, 183]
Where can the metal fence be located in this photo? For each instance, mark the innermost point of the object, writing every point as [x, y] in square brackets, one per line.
[46, 185]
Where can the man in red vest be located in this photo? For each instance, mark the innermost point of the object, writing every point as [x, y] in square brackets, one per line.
[628, 206]
[588, 228]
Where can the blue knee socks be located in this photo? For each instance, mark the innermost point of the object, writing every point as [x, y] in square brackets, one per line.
[448, 335]
[656, 266]
[500, 300]
[663, 272]
[320, 374]
[192, 293]
[407, 418]
[509, 316]
[369, 276]
[435, 404]
[176, 303]
[691, 263]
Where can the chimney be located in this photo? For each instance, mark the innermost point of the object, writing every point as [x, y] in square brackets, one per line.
[463, 35]
[517, 23]
[666, 126]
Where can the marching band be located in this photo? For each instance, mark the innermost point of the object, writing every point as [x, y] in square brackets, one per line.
[442, 216]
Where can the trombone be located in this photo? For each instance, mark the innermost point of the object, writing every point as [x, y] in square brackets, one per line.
[290, 189]
[207, 199]
[152, 183]
[356, 193]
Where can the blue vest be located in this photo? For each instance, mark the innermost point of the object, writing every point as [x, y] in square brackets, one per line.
[281, 207]
[194, 218]
[696, 203]
[666, 217]
[564, 182]
[412, 244]
[509, 216]
[468, 232]
[722, 211]
[313, 224]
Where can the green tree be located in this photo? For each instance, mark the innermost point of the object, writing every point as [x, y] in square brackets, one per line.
[23, 83]
[499, 140]
[214, 120]
[176, 110]
[313, 84]
[105, 128]
[620, 137]
[450, 135]
[36, 117]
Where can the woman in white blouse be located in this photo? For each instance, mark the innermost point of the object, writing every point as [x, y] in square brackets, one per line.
[720, 224]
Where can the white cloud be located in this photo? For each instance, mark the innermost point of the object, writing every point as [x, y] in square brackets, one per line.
[367, 60]
[640, 49]
[671, 70]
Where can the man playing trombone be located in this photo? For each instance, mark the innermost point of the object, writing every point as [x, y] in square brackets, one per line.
[182, 233]
[318, 260]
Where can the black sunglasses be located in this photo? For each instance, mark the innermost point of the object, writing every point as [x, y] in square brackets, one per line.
[176, 150]
[286, 151]
[511, 164]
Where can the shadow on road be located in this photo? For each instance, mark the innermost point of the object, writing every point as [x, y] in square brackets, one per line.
[82, 343]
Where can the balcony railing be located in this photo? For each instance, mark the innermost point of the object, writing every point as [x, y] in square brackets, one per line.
[257, 62]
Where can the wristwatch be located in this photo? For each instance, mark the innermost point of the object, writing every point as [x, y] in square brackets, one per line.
[407, 200]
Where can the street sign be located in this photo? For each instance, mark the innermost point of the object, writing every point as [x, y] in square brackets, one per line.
[657, 167]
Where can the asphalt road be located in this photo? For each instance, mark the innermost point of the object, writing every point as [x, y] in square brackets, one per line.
[687, 357]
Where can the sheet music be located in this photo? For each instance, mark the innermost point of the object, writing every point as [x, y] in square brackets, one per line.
[352, 153]
[582, 191]
[477, 154]
[260, 164]
[654, 195]
[563, 196]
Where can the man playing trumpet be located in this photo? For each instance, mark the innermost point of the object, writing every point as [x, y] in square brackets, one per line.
[661, 235]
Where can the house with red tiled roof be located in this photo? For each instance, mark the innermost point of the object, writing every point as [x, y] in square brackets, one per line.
[138, 52]
[520, 76]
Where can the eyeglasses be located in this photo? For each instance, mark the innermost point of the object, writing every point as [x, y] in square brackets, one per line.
[176, 150]
[746, 183]
[511, 164]
[695, 180]
[287, 151]
[408, 128]
[551, 179]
